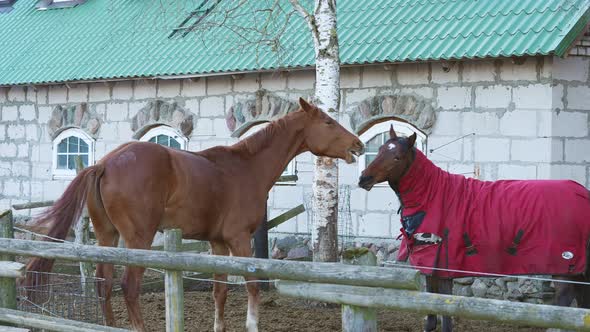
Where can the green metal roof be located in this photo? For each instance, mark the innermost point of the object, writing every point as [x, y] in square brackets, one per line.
[108, 39]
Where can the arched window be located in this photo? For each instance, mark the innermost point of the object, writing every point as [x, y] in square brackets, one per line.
[378, 134]
[69, 144]
[166, 136]
[290, 169]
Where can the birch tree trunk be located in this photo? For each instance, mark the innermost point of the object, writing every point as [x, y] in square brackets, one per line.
[322, 24]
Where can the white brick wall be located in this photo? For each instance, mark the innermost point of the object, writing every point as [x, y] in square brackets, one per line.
[247, 83]
[533, 96]
[204, 128]
[212, 107]
[578, 98]
[479, 71]
[523, 72]
[447, 123]
[20, 168]
[570, 172]
[9, 113]
[517, 172]
[196, 87]
[27, 112]
[519, 123]
[350, 77]
[12, 188]
[536, 150]
[31, 132]
[143, 89]
[117, 111]
[99, 92]
[168, 88]
[220, 128]
[23, 150]
[122, 91]
[439, 76]
[301, 80]
[412, 73]
[16, 93]
[354, 96]
[495, 96]
[454, 97]
[564, 123]
[273, 81]
[218, 85]
[425, 92]
[446, 153]
[492, 149]
[571, 68]
[15, 131]
[287, 197]
[577, 150]
[374, 224]
[382, 198]
[375, 76]
[480, 123]
[78, 93]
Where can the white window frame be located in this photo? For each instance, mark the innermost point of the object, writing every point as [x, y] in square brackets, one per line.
[401, 129]
[59, 173]
[168, 131]
[290, 169]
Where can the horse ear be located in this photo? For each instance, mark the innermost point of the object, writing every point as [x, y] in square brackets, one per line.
[392, 134]
[305, 105]
[411, 140]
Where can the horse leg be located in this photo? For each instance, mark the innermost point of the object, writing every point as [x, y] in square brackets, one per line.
[431, 287]
[240, 246]
[105, 271]
[583, 294]
[446, 287]
[106, 236]
[564, 292]
[219, 288]
[131, 282]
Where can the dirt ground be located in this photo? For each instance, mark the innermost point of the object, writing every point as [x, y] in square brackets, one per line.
[280, 314]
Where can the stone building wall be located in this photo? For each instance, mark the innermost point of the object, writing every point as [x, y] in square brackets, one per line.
[529, 117]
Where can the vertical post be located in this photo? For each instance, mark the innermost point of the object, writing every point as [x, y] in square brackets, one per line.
[261, 244]
[173, 285]
[82, 234]
[359, 318]
[7, 285]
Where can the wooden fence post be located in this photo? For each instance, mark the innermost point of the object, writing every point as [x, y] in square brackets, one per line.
[7, 285]
[359, 319]
[173, 285]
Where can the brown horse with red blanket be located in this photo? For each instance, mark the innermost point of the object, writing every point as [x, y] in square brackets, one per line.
[218, 194]
[454, 226]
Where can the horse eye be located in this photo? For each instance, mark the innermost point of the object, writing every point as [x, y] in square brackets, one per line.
[396, 158]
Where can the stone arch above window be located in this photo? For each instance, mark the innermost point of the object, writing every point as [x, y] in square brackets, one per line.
[263, 107]
[414, 109]
[166, 136]
[79, 116]
[158, 112]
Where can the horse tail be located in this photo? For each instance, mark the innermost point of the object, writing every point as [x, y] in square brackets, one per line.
[60, 217]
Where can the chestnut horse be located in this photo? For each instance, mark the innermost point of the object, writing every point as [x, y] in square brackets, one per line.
[218, 195]
[452, 225]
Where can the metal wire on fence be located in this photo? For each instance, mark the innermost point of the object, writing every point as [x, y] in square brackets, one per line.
[64, 296]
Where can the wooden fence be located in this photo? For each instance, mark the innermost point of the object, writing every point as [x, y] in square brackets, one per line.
[358, 286]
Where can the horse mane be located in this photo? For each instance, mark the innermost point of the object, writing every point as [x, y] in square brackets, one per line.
[262, 138]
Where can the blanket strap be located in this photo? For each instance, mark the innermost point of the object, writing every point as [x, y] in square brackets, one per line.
[512, 249]
[470, 249]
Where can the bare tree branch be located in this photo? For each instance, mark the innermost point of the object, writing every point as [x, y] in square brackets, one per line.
[309, 19]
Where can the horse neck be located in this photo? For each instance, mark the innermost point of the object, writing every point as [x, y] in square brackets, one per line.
[285, 142]
[419, 182]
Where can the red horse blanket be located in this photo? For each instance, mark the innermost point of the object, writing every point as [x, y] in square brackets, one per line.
[504, 227]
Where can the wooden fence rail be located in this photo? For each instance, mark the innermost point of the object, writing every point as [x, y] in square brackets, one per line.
[335, 273]
[451, 305]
